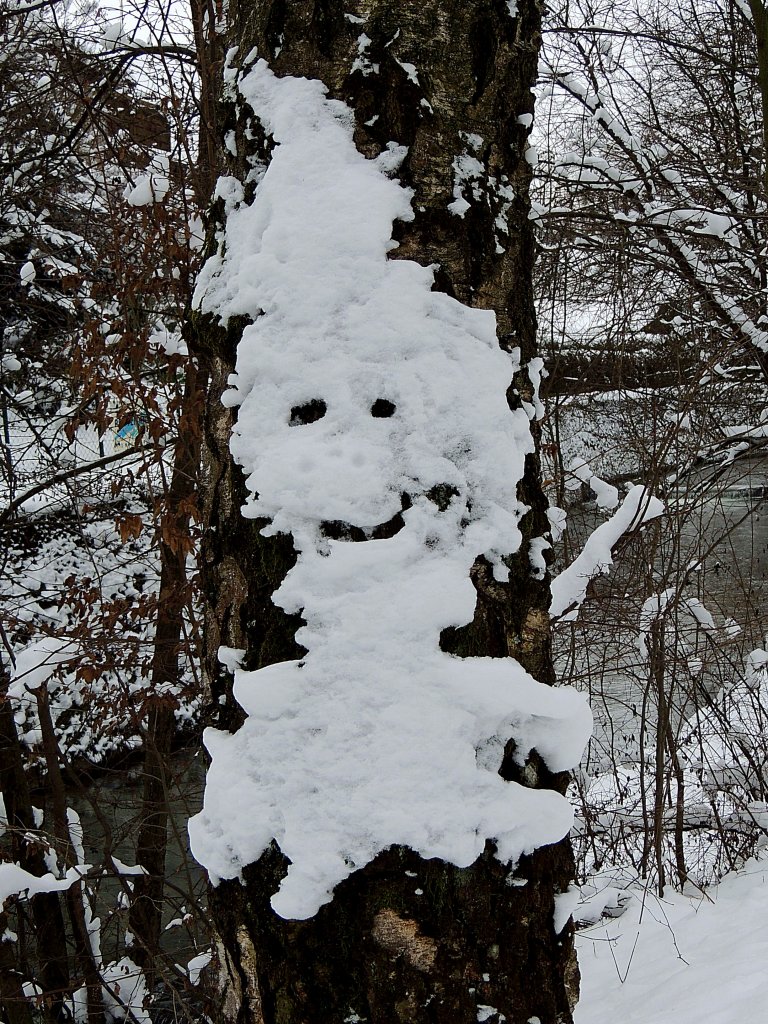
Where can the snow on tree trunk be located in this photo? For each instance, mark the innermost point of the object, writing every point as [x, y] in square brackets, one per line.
[387, 783]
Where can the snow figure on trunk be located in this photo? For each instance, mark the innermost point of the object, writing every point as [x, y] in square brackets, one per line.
[373, 427]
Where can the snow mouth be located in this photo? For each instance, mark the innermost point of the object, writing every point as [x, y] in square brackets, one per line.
[337, 530]
[440, 495]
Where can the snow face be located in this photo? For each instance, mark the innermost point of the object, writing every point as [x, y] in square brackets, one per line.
[369, 400]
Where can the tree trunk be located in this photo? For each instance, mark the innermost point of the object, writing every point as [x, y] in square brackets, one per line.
[173, 600]
[404, 939]
[73, 897]
[16, 1007]
[145, 919]
[53, 973]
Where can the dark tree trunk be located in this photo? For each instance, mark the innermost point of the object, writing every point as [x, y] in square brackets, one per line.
[381, 952]
[173, 601]
[15, 1005]
[87, 969]
[53, 974]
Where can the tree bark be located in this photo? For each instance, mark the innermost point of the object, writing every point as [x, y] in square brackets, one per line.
[88, 972]
[173, 600]
[145, 918]
[14, 1003]
[404, 939]
[53, 974]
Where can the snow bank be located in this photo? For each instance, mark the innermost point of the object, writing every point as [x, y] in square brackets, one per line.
[367, 399]
[682, 958]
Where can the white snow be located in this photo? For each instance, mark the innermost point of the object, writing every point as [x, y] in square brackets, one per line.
[467, 172]
[231, 657]
[127, 869]
[557, 521]
[683, 958]
[565, 904]
[92, 923]
[485, 1013]
[151, 187]
[124, 992]
[536, 554]
[376, 737]
[170, 341]
[37, 662]
[196, 966]
[536, 372]
[15, 881]
[570, 588]
[410, 70]
[362, 62]
[607, 495]
[112, 34]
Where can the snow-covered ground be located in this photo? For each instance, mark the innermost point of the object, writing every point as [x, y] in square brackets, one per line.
[688, 959]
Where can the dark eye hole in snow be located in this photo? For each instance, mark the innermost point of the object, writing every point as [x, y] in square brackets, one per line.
[442, 495]
[309, 412]
[382, 408]
[337, 530]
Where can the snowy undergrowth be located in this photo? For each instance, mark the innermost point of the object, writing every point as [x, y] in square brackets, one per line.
[722, 751]
[78, 604]
[684, 958]
[363, 395]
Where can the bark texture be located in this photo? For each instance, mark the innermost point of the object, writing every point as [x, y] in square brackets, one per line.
[404, 939]
[145, 919]
[53, 974]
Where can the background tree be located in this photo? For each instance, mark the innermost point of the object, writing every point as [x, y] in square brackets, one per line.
[651, 201]
[652, 167]
[100, 450]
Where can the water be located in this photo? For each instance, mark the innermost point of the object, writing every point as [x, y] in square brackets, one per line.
[709, 555]
[109, 811]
